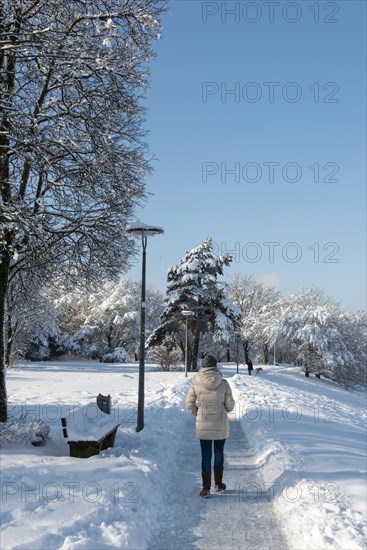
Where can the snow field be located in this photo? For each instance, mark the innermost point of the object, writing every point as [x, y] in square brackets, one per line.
[308, 438]
[305, 456]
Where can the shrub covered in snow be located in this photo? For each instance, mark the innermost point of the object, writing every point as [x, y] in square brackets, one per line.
[21, 429]
[119, 355]
[166, 357]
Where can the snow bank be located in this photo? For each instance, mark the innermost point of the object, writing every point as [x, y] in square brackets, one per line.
[308, 438]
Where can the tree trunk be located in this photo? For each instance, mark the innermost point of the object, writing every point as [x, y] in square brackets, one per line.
[189, 360]
[246, 349]
[109, 337]
[195, 351]
[8, 340]
[4, 278]
[266, 354]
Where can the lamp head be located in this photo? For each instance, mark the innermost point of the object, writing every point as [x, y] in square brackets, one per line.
[142, 229]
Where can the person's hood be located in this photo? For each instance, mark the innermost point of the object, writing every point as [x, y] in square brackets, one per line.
[210, 377]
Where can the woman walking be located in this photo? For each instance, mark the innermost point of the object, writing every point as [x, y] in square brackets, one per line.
[210, 399]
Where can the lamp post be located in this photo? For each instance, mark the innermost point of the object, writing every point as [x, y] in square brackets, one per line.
[139, 229]
[187, 314]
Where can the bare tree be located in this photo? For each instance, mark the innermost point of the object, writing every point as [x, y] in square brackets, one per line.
[329, 341]
[72, 151]
[32, 322]
[261, 309]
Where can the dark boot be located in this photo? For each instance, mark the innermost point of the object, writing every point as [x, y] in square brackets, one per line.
[207, 480]
[218, 476]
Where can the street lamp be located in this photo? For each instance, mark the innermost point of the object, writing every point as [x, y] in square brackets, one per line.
[274, 345]
[139, 229]
[187, 314]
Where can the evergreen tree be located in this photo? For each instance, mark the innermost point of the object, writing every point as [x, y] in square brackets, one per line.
[193, 286]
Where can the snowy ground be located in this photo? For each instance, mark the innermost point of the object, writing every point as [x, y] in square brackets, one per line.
[295, 465]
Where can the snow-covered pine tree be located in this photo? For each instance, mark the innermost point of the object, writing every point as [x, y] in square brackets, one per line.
[193, 285]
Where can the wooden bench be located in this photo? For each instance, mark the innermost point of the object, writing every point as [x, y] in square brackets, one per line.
[89, 431]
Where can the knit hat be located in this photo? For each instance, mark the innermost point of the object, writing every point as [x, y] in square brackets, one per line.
[209, 361]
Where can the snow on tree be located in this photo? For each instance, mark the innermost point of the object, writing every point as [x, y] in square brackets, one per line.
[32, 326]
[99, 322]
[72, 151]
[353, 329]
[261, 309]
[327, 338]
[193, 286]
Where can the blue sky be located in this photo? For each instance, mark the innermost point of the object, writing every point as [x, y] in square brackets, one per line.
[257, 120]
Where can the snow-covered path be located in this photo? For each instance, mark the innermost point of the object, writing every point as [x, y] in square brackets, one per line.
[240, 517]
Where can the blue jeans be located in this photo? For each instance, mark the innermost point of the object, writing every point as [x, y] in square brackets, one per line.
[206, 454]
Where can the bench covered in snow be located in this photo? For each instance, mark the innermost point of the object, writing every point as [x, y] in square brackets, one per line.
[89, 430]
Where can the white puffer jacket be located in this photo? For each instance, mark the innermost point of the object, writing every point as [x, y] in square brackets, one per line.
[209, 399]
